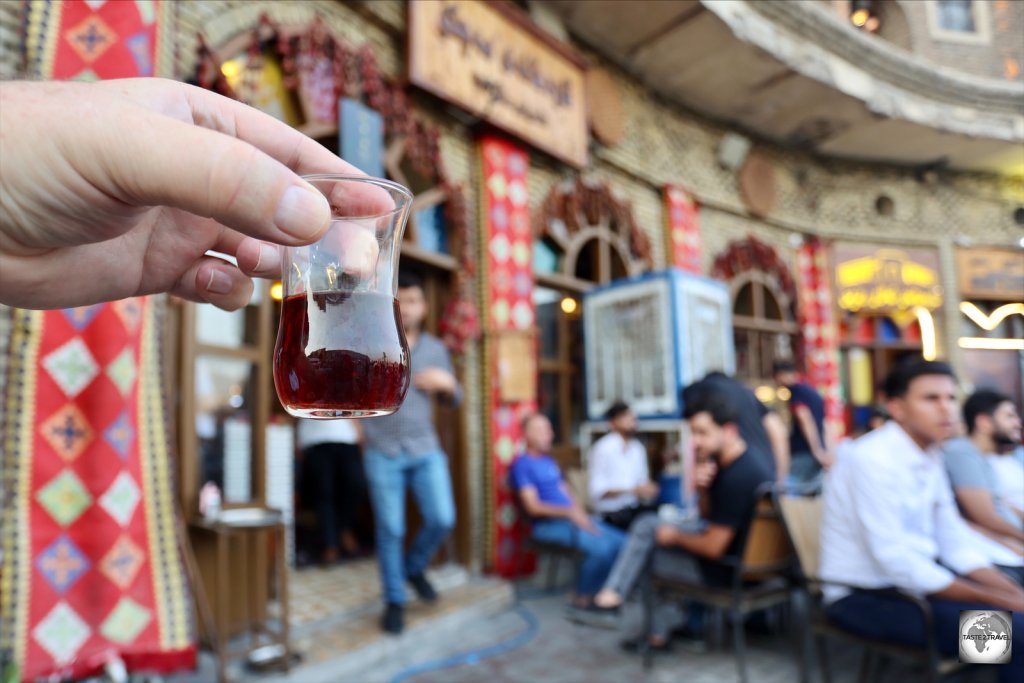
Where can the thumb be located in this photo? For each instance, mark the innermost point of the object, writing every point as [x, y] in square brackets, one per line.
[159, 161]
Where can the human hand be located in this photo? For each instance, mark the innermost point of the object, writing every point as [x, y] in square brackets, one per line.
[826, 460]
[582, 520]
[119, 188]
[434, 380]
[704, 473]
[647, 490]
[665, 535]
[1014, 603]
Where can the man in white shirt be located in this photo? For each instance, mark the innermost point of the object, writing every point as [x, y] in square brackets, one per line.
[620, 484]
[889, 520]
[333, 470]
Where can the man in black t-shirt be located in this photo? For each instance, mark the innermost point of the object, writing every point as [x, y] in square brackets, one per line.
[727, 476]
[762, 428]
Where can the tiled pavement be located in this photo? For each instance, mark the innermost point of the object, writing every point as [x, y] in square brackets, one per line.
[335, 613]
[475, 613]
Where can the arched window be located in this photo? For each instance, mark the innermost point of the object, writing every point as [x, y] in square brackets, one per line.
[763, 310]
[893, 25]
[583, 237]
[763, 326]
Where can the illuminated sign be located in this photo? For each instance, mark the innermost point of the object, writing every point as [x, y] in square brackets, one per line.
[886, 281]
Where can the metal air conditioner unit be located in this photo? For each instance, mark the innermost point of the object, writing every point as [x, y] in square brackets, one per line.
[646, 338]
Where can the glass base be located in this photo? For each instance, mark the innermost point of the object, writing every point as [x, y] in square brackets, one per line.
[336, 413]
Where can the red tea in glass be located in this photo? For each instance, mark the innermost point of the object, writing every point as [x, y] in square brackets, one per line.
[317, 367]
[341, 349]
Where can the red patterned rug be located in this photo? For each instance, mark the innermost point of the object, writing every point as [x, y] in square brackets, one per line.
[90, 569]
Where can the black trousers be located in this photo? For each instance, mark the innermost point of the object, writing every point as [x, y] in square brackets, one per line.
[338, 484]
[623, 518]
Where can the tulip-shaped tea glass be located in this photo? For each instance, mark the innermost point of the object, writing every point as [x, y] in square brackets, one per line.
[341, 349]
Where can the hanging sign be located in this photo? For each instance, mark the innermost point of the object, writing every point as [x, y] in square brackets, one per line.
[484, 58]
[874, 280]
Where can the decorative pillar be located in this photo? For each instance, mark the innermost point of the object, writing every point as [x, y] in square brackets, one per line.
[682, 229]
[509, 345]
[90, 566]
[820, 332]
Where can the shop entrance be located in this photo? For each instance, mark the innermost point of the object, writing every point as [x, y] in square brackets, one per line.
[871, 346]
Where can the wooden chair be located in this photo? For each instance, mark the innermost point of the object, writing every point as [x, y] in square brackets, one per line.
[762, 579]
[801, 516]
[554, 553]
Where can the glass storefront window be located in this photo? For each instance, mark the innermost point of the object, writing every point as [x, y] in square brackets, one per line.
[546, 303]
[224, 400]
[546, 258]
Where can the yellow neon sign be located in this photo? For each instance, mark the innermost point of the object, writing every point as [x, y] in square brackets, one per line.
[991, 344]
[888, 280]
[990, 322]
[929, 346]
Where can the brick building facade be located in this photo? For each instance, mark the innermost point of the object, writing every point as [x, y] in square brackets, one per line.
[666, 143]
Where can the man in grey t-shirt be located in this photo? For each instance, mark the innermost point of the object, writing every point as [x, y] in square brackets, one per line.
[993, 426]
[402, 451]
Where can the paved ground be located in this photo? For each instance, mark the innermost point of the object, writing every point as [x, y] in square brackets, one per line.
[561, 652]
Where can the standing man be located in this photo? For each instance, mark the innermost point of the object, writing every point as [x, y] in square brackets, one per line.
[809, 452]
[334, 465]
[619, 481]
[403, 450]
[889, 520]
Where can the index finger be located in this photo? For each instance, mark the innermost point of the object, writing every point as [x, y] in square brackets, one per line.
[301, 154]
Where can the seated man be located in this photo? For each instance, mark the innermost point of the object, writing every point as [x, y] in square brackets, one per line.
[619, 482]
[1009, 468]
[889, 520]
[557, 517]
[727, 476]
[993, 428]
[762, 428]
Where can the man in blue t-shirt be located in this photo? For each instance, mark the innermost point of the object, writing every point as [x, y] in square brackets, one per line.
[809, 453]
[557, 516]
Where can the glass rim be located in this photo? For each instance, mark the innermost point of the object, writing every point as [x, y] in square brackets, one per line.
[398, 188]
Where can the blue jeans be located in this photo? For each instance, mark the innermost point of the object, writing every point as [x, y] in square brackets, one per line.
[805, 473]
[388, 477]
[599, 549]
[898, 621]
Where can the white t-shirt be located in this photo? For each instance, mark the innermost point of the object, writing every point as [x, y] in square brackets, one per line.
[616, 464]
[312, 432]
[1009, 470]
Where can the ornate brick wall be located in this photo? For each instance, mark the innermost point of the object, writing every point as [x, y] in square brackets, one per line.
[222, 20]
[10, 39]
[1005, 19]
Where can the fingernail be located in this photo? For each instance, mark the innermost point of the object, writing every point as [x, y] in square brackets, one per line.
[219, 282]
[302, 212]
[268, 260]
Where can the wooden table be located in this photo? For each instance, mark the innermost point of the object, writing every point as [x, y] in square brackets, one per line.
[243, 528]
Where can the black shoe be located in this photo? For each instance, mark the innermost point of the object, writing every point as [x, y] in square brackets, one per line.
[393, 620]
[639, 645]
[423, 588]
[592, 615]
